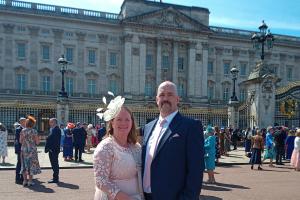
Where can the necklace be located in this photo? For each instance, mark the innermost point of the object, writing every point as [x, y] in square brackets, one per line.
[122, 144]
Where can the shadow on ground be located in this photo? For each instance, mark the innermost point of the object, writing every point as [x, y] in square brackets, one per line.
[206, 197]
[39, 187]
[68, 185]
[222, 187]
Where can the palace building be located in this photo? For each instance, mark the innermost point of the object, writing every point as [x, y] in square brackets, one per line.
[128, 53]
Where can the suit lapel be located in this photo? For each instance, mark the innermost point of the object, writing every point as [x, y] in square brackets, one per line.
[149, 131]
[170, 130]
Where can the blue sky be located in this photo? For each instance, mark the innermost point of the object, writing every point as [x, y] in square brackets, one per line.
[282, 17]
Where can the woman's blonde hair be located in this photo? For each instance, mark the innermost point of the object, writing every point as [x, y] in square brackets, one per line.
[30, 121]
[132, 136]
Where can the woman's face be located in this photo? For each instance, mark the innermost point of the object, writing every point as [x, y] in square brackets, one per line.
[122, 123]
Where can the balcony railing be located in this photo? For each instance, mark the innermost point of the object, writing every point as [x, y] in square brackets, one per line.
[56, 10]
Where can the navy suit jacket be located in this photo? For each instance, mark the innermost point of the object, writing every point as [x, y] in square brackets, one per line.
[178, 163]
[17, 140]
[79, 136]
[53, 141]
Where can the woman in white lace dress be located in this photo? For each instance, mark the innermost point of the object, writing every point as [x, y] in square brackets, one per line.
[117, 160]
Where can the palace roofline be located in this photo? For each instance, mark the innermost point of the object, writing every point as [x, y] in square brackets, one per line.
[60, 11]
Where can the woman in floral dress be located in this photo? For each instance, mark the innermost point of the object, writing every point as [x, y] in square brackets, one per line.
[29, 158]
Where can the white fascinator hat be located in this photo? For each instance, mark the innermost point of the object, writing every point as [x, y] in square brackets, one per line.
[112, 109]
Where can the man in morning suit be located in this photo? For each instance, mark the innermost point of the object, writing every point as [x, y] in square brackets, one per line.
[79, 136]
[19, 177]
[172, 151]
[53, 148]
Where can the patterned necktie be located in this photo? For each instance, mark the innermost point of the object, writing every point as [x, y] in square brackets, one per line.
[152, 150]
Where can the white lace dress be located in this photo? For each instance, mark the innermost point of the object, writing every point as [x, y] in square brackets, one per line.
[117, 169]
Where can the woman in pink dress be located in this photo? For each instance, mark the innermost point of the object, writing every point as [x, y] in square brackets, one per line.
[117, 160]
[295, 159]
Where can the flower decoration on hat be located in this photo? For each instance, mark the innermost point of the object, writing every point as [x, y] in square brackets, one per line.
[112, 109]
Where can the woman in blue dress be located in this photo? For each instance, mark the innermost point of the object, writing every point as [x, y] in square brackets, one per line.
[68, 142]
[210, 153]
[270, 151]
[289, 144]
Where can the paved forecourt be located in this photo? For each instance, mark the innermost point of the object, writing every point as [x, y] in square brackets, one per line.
[235, 182]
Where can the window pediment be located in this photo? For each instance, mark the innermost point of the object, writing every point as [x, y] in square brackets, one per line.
[46, 71]
[21, 70]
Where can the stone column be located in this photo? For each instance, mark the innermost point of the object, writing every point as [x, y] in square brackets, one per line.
[204, 69]
[33, 57]
[79, 61]
[219, 71]
[103, 63]
[158, 62]
[251, 59]
[191, 69]
[282, 68]
[233, 114]
[235, 55]
[142, 74]
[8, 56]
[62, 111]
[175, 63]
[58, 51]
[127, 64]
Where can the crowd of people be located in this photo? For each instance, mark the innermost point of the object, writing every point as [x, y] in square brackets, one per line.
[168, 163]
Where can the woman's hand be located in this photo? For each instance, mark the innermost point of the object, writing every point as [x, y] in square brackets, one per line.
[122, 196]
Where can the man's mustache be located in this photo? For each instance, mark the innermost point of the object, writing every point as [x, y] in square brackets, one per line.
[165, 102]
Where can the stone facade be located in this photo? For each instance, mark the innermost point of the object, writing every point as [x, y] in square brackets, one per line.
[129, 53]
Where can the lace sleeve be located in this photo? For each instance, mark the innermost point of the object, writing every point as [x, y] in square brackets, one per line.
[103, 159]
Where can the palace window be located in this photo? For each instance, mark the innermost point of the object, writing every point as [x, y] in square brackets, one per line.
[226, 68]
[289, 73]
[113, 59]
[45, 52]
[21, 82]
[21, 50]
[92, 56]
[113, 86]
[243, 95]
[45, 84]
[69, 54]
[180, 63]
[148, 89]
[210, 92]
[91, 86]
[181, 91]
[165, 62]
[149, 61]
[226, 94]
[243, 71]
[210, 67]
[70, 86]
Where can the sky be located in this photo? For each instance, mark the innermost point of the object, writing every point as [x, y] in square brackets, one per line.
[282, 17]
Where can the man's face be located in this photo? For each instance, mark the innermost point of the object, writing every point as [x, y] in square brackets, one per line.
[167, 100]
[22, 122]
[51, 123]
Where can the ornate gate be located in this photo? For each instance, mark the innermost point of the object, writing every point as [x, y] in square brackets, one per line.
[287, 111]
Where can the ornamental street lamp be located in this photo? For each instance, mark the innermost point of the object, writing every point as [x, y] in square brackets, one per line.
[234, 71]
[263, 38]
[63, 63]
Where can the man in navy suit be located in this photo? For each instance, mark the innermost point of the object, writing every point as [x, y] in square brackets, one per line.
[19, 177]
[79, 137]
[172, 151]
[53, 148]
